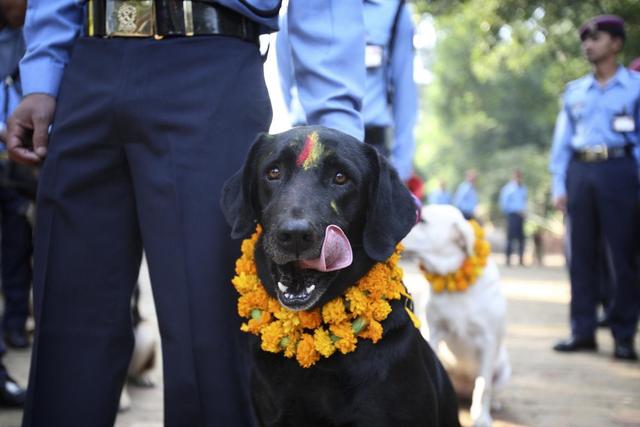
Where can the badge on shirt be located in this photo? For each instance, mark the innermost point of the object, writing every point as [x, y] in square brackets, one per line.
[373, 55]
[623, 123]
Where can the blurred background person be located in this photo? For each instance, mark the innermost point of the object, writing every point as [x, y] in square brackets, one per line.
[466, 196]
[390, 103]
[16, 230]
[440, 196]
[595, 178]
[513, 204]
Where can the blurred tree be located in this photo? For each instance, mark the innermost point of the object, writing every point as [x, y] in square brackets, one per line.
[498, 73]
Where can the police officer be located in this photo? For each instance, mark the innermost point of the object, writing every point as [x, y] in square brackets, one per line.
[440, 196]
[154, 110]
[390, 102]
[594, 167]
[513, 204]
[16, 232]
[466, 196]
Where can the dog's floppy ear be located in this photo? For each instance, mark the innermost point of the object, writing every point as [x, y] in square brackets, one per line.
[237, 201]
[391, 210]
[464, 235]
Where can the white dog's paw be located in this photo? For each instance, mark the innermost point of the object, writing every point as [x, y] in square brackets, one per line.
[484, 420]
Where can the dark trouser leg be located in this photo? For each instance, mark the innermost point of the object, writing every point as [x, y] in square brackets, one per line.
[584, 230]
[515, 234]
[520, 237]
[196, 122]
[510, 237]
[618, 205]
[16, 259]
[87, 254]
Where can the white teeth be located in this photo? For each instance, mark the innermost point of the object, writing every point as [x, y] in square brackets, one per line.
[282, 287]
[310, 289]
[288, 296]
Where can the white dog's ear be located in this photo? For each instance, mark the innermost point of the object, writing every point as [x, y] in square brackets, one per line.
[464, 235]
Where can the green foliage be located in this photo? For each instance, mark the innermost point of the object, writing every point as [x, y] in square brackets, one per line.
[499, 69]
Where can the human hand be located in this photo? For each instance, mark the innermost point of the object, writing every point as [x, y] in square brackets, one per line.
[28, 128]
[560, 203]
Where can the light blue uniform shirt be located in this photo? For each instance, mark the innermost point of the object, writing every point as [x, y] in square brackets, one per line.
[586, 118]
[439, 197]
[327, 41]
[466, 198]
[513, 198]
[378, 21]
[11, 50]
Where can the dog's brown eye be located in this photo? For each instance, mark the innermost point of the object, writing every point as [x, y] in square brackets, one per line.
[273, 174]
[340, 178]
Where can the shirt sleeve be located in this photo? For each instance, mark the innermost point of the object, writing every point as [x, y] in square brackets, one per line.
[561, 152]
[50, 29]
[405, 97]
[327, 40]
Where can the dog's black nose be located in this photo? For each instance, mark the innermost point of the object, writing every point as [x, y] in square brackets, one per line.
[295, 235]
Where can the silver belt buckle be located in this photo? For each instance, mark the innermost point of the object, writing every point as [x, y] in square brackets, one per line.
[595, 153]
[130, 18]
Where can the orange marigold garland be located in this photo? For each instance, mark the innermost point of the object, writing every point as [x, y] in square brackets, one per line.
[337, 326]
[471, 268]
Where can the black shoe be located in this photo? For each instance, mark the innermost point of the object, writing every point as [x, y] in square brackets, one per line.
[576, 344]
[11, 394]
[16, 339]
[623, 349]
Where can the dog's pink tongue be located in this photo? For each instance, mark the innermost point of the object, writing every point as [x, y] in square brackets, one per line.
[335, 254]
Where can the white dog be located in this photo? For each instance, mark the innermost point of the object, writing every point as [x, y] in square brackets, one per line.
[467, 328]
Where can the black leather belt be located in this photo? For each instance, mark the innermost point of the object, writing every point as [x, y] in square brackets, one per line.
[165, 18]
[600, 153]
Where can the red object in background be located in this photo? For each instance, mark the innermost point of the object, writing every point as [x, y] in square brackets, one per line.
[635, 64]
[415, 184]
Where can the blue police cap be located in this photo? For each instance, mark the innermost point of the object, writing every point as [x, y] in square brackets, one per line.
[611, 24]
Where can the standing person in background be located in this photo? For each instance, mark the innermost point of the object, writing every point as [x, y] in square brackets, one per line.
[595, 178]
[16, 230]
[466, 196]
[390, 104]
[440, 196]
[155, 109]
[513, 204]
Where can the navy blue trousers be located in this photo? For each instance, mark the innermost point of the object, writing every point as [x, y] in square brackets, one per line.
[515, 235]
[16, 252]
[144, 135]
[603, 208]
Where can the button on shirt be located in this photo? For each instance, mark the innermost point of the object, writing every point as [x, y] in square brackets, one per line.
[402, 115]
[466, 198]
[586, 118]
[327, 38]
[513, 198]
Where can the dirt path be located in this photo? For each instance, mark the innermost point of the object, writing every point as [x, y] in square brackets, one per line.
[546, 389]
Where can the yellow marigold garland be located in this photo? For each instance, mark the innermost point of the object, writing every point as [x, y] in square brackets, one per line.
[468, 272]
[308, 335]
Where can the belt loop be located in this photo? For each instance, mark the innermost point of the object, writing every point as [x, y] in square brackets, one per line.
[187, 8]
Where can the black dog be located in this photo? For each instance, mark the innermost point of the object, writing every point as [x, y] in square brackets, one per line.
[296, 184]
